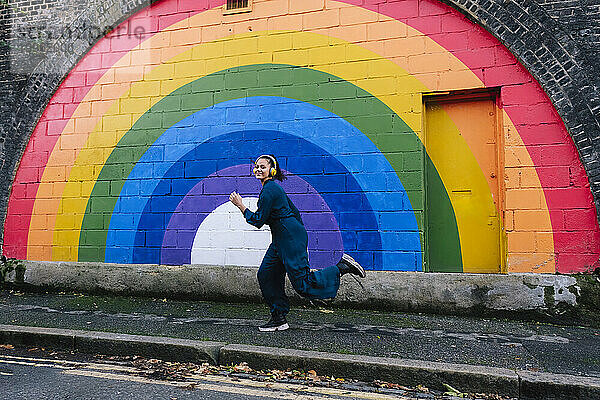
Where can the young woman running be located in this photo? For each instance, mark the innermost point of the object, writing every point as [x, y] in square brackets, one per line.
[287, 252]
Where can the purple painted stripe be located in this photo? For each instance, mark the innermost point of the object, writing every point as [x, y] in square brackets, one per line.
[325, 242]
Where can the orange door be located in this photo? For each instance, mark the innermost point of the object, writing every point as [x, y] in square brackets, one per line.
[461, 137]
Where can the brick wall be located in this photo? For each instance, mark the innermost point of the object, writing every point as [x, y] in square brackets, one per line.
[562, 58]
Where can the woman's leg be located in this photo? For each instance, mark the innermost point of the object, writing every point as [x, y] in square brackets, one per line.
[271, 279]
[314, 284]
[319, 284]
[292, 249]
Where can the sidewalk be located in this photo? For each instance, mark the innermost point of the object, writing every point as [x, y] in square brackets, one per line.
[474, 352]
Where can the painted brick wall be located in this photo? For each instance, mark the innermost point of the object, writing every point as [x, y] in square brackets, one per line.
[533, 232]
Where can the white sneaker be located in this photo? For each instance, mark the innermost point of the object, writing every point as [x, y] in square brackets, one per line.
[354, 267]
[276, 323]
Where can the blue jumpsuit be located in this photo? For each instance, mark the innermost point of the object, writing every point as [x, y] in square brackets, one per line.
[287, 252]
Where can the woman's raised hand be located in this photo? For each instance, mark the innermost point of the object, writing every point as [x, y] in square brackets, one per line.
[236, 199]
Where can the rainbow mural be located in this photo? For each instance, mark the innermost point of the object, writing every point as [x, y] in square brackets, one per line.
[134, 156]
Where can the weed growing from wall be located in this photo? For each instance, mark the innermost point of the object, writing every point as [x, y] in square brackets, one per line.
[9, 265]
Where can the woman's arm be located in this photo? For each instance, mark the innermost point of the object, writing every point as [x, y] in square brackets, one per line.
[236, 199]
[258, 218]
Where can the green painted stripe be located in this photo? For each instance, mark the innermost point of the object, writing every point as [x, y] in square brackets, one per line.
[399, 144]
[443, 241]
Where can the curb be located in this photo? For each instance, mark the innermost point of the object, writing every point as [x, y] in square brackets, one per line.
[365, 368]
[182, 350]
[524, 385]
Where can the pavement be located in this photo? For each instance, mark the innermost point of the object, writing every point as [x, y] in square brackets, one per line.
[520, 359]
[542, 297]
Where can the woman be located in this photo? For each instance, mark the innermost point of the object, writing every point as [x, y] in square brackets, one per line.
[287, 252]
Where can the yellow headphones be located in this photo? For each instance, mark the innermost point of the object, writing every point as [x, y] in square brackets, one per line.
[273, 170]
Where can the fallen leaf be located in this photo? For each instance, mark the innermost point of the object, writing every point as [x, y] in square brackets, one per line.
[243, 367]
[423, 388]
[452, 391]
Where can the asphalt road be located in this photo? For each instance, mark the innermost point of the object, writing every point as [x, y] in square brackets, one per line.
[23, 376]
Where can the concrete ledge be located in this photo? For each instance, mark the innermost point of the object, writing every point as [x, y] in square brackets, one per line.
[181, 350]
[541, 296]
[407, 372]
[468, 378]
[189, 281]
